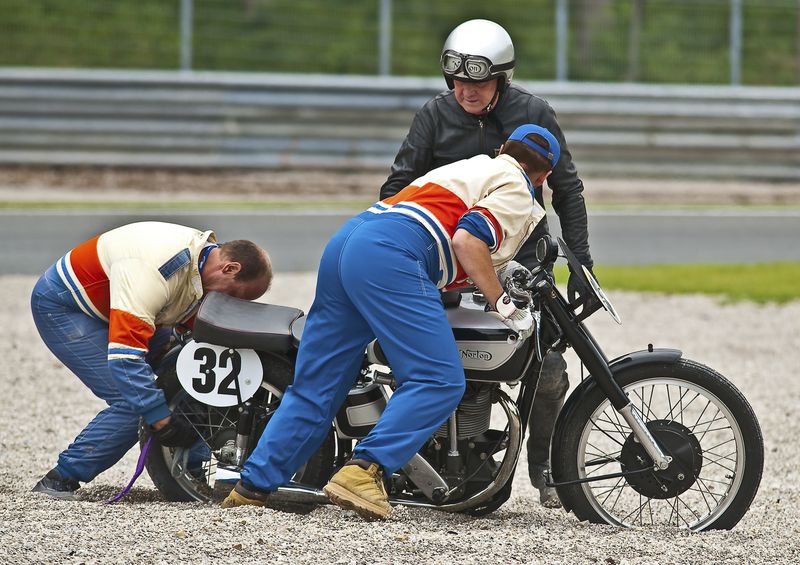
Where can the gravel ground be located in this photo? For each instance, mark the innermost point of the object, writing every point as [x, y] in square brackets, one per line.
[45, 406]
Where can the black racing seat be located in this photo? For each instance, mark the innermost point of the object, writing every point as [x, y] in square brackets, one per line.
[233, 322]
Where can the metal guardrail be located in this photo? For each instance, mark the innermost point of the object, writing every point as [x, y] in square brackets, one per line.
[222, 120]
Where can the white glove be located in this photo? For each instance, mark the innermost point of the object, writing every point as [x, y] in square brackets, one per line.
[505, 272]
[516, 319]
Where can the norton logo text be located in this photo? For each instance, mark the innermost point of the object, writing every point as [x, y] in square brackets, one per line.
[479, 355]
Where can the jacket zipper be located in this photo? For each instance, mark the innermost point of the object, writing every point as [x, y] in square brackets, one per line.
[481, 135]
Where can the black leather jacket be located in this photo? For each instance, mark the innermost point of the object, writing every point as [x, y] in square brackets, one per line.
[442, 132]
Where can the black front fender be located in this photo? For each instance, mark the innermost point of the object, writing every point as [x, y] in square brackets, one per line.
[618, 366]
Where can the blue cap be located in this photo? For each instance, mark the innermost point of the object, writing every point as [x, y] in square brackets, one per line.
[523, 131]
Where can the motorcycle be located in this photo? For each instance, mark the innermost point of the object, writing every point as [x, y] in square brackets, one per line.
[647, 438]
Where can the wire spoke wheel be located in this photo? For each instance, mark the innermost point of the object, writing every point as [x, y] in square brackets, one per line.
[194, 469]
[699, 419]
[198, 473]
[700, 415]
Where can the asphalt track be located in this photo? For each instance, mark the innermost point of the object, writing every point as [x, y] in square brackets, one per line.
[32, 240]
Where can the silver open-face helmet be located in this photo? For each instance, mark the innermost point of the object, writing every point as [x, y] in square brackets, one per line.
[478, 50]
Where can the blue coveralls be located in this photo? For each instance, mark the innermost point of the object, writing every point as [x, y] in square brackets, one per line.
[81, 343]
[376, 279]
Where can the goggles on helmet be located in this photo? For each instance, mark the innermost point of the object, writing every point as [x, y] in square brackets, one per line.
[473, 67]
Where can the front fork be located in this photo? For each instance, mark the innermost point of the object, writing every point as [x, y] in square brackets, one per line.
[596, 362]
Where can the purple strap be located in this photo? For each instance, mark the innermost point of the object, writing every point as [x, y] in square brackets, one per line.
[139, 468]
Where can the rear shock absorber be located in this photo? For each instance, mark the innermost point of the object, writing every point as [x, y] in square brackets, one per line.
[243, 430]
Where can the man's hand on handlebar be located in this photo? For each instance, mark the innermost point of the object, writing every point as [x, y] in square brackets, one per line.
[516, 319]
[512, 271]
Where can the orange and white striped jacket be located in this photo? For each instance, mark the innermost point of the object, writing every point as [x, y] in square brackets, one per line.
[135, 278]
[490, 197]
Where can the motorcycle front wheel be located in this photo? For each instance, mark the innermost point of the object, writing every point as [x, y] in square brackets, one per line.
[698, 417]
[193, 474]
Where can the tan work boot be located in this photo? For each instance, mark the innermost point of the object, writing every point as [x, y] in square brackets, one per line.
[361, 489]
[242, 496]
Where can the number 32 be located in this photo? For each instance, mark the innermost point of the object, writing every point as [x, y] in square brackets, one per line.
[207, 380]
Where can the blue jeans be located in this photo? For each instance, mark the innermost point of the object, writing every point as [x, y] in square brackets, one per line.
[375, 280]
[81, 344]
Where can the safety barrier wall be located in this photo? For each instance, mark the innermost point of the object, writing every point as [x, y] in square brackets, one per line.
[223, 120]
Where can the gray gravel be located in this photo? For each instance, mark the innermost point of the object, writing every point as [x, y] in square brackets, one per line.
[44, 407]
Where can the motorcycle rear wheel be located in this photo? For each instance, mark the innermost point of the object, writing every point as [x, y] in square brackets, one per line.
[180, 480]
[699, 417]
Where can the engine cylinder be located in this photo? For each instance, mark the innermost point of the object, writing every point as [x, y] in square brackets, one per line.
[473, 414]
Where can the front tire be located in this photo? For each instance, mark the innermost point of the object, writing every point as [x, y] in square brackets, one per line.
[698, 417]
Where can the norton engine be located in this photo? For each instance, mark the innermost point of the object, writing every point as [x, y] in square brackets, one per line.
[462, 450]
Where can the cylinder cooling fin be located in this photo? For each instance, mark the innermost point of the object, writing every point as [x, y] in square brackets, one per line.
[474, 413]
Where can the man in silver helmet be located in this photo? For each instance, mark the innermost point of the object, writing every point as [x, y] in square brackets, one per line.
[474, 116]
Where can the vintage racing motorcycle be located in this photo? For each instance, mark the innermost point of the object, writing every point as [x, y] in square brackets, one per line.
[648, 438]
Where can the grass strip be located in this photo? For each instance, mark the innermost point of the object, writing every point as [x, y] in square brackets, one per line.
[774, 282]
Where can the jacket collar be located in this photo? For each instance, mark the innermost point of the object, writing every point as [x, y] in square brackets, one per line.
[514, 162]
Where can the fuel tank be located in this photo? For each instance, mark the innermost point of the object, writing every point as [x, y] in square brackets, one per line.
[487, 347]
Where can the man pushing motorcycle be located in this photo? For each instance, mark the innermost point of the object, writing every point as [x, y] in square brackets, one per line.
[103, 309]
[380, 277]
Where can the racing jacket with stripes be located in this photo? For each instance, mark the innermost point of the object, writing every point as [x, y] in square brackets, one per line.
[492, 198]
[135, 278]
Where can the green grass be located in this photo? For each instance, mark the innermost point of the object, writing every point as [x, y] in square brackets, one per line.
[679, 42]
[757, 282]
[695, 207]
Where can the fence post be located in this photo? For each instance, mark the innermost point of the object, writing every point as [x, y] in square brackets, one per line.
[634, 40]
[736, 42]
[562, 20]
[385, 38]
[797, 44]
[186, 35]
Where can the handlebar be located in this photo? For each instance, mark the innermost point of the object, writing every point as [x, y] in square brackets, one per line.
[521, 286]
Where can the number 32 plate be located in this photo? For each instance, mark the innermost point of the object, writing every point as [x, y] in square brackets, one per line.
[217, 375]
